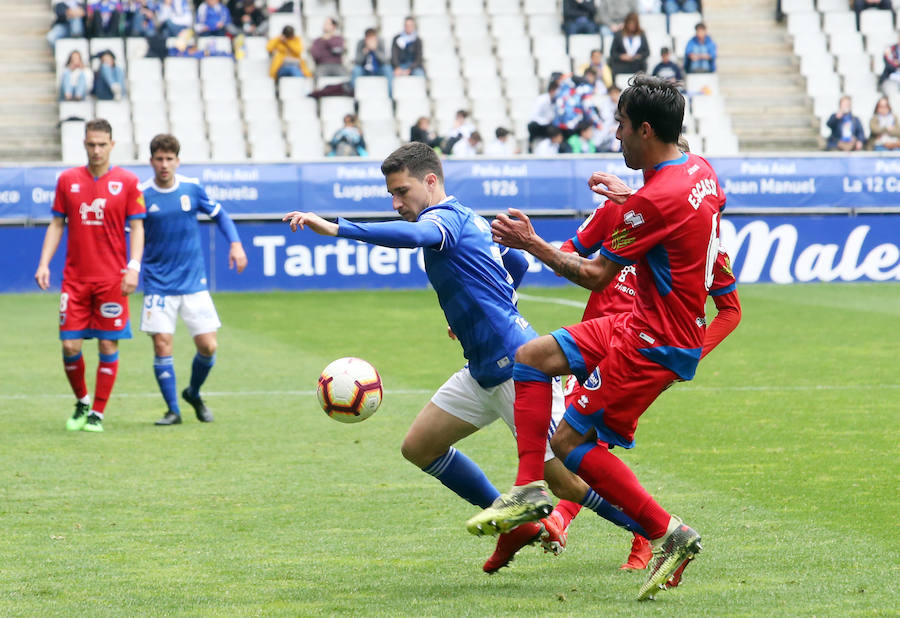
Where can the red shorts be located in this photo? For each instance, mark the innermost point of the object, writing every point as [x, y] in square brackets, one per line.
[93, 309]
[622, 384]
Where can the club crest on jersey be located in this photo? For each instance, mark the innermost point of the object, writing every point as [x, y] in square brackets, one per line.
[185, 203]
[110, 310]
[593, 381]
[115, 187]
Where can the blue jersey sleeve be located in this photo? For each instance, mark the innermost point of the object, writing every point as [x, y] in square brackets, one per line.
[397, 234]
[226, 226]
[516, 264]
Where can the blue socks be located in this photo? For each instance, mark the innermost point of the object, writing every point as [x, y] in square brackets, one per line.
[199, 370]
[164, 368]
[604, 509]
[463, 477]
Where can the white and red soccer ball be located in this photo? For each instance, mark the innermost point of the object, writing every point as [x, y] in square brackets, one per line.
[349, 390]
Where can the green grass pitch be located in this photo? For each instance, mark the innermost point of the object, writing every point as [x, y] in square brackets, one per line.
[782, 453]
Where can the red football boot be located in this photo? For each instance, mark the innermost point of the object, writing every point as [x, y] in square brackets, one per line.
[676, 576]
[639, 558]
[554, 536]
[511, 542]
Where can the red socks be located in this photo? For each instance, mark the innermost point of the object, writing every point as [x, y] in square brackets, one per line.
[534, 400]
[106, 377]
[613, 480]
[567, 510]
[74, 366]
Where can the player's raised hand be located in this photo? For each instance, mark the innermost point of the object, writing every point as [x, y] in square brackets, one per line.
[42, 277]
[237, 257]
[513, 231]
[610, 186]
[316, 223]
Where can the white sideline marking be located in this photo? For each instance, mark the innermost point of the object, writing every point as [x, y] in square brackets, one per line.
[554, 301]
[681, 388]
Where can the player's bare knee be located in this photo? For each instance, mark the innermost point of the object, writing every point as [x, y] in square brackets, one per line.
[207, 349]
[107, 346]
[412, 452]
[71, 347]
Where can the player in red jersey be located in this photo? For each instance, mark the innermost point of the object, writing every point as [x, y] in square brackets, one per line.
[94, 202]
[669, 229]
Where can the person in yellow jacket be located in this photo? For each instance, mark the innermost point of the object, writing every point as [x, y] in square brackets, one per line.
[287, 55]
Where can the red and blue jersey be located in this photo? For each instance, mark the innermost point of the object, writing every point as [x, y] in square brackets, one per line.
[669, 230]
[97, 210]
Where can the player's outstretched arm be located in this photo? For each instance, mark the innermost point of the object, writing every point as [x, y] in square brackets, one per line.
[517, 232]
[610, 186]
[136, 250]
[311, 220]
[51, 244]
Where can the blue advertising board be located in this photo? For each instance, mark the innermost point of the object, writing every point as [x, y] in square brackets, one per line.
[548, 186]
[764, 249]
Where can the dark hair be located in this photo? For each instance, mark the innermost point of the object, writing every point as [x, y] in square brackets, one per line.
[590, 71]
[664, 51]
[582, 125]
[595, 51]
[288, 32]
[501, 132]
[370, 31]
[462, 112]
[72, 55]
[475, 137]
[334, 21]
[415, 157]
[98, 124]
[165, 143]
[699, 25]
[656, 102]
[553, 131]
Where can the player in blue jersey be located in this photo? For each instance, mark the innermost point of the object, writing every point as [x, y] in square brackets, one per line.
[175, 274]
[475, 283]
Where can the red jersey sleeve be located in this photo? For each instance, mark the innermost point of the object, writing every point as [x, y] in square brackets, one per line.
[726, 320]
[134, 205]
[59, 201]
[637, 227]
[723, 277]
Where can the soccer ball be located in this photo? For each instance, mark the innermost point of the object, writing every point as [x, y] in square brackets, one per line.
[349, 390]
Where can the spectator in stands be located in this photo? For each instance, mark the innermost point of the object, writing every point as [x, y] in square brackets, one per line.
[846, 129]
[348, 141]
[141, 18]
[629, 50]
[462, 129]
[467, 147]
[552, 144]
[69, 21]
[700, 52]
[582, 141]
[605, 137]
[406, 50]
[370, 58]
[247, 18]
[105, 19]
[612, 13]
[422, 132]
[861, 5]
[579, 17]
[544, 111]
[328, 50]
[109, 81]
[889, 82]
[575, 102]
[212, 19]
[884, 130]
[668, 69]
[173, 16]
[604, 74]
[287, 55]
[504, 144]
[73, 85]
[680, 6]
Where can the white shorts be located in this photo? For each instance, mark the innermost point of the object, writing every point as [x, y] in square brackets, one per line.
[463, 397]
[159, 313]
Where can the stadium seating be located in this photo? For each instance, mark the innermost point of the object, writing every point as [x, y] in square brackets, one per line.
[490, 57]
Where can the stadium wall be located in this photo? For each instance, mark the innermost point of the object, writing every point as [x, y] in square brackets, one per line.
[788, 220]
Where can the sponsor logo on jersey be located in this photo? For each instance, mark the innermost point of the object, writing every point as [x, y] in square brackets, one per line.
[594, 380]
[153, 208]
[115, 187]
[726, 267]
[186, 203]
[110, 310]
[633, 219]
[95, 209]
[620, 239]
[75, 188]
